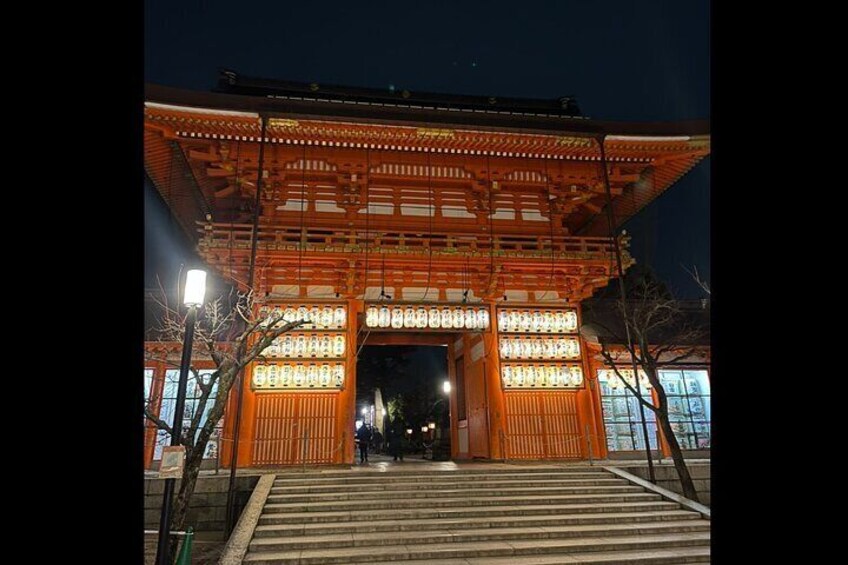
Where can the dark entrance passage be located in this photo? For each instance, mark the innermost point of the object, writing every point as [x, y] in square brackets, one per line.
[401, 395]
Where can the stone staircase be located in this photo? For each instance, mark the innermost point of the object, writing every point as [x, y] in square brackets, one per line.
[534, 515]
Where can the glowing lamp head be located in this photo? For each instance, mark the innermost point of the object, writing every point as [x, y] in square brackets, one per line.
[364, 411]
[432, 425]
[424, 428]
[195, 288]
[409, 431]
[446, 387]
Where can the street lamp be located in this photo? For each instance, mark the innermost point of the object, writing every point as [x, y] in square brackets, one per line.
[446, 387]
[195, 289]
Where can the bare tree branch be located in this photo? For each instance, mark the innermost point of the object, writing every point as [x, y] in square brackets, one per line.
[705, 286]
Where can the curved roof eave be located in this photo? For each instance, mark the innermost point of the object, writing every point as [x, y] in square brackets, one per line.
[245, 105]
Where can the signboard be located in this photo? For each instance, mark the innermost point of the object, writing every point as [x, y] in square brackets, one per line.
[173, 460]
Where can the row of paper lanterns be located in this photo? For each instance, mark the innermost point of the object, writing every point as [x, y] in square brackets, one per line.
[434, 317]
[290, 375]
[557, 321]
[541, 376]
[322, 318]
[539, 348]
[313, 345]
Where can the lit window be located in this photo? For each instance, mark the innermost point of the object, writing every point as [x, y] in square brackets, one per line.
[622, 418]
[192, 402]
[688, 393]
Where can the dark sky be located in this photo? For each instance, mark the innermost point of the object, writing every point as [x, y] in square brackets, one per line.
[645, 60]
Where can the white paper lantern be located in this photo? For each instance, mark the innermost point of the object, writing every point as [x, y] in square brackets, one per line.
[535, 319]
[338, 375]
[576, 376]
[325, 348]
[570, 321]
[339, 317]
[447, 319]
[421, 318]
[326, 317]
[273, 375]
[408, 318]
[507, 375]
[470, 319]
[385, 317]
[553, 375]
[259, 372]
[513, 321]
[324, 375]
[483, 318]
[559, 322]
[434, 319]
[397, 318]
[299, 375]
[503, 321]
[286, 375]
[338, 346]
[518, 375]
[547, 322]
[458, 318]
[536, 349]
[371, 316]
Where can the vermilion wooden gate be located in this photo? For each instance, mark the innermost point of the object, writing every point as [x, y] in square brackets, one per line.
[542, 425]
[294, 429]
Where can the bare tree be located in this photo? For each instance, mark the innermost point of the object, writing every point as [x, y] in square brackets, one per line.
[705, 286]
[233, 334]
[662, 334]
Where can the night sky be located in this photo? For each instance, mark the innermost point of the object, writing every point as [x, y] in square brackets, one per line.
[639, 61]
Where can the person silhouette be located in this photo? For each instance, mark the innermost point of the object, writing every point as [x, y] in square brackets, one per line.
[363, 434]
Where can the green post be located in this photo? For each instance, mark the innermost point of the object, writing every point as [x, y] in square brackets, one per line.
[185, 551]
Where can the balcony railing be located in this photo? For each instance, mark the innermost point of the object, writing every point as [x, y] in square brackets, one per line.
[238, 236]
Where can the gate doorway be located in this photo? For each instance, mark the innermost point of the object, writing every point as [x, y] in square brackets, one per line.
[402, 397]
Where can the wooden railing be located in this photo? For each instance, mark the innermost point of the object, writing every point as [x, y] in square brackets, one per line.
[354, 241]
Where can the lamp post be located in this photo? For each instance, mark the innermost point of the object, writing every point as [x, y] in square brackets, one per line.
[195, 289]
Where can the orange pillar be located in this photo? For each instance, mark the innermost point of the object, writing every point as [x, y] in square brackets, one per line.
[150, 430]
[453, 401]
[248, 420]
[494, 390]
[346, 405]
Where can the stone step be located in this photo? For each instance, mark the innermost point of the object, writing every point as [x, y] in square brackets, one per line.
[379, 486]
[692, 555]
[447, 536]
[429, 476]
[412, 468]
[458, 502]
[460, 550]
[365, 498]
[356, 525]
[419, 513]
